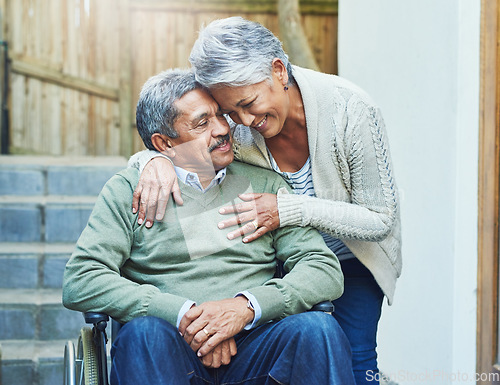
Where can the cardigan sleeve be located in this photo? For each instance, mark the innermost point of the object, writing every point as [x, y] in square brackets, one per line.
[313, 273]
[363, 161]
[140, 159]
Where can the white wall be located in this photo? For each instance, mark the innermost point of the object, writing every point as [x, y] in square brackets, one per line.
[420, 61]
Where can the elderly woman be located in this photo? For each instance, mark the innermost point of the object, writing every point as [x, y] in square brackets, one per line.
[327, 138]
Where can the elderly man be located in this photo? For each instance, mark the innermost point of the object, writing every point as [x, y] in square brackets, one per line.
[200, 308]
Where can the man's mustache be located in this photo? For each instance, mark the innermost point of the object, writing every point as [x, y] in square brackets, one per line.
[222, 139]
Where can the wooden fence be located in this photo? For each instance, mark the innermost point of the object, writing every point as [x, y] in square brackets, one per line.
[77, 66]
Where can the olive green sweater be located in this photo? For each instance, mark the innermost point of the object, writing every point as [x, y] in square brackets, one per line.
[128, 271]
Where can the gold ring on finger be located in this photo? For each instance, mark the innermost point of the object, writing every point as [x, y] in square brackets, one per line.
[205, 331]
[255, 224]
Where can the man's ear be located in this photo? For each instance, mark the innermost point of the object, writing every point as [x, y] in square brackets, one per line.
[163, 144]
[279, 69]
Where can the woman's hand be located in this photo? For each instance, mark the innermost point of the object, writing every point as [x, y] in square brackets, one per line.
[260, 211]
[158, 180]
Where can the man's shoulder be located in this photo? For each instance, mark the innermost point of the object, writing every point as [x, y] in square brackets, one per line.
[130, 174]
[251, 171]
[125, 180]
[262, 179]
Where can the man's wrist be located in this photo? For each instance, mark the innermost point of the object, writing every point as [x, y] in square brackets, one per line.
[251, 308]
[249, 311]
[255, 305]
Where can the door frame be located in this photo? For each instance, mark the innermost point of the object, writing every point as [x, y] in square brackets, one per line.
[488, 190]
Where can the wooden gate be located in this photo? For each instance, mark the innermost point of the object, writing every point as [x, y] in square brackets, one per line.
[77, 66]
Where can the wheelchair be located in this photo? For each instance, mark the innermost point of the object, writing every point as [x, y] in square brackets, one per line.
[88, 364]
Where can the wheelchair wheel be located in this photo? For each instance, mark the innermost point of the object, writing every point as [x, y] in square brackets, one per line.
[87, 355]
[69, 364]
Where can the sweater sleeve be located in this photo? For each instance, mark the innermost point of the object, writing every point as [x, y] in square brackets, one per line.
[313, 275]
[140, 159]
[92, 280]
[364, 164]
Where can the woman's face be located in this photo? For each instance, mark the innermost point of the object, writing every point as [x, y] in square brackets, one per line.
[263, 106]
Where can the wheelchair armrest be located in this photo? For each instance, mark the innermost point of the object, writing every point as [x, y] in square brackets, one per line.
[100, 320]
[94, 318]
[325, 306]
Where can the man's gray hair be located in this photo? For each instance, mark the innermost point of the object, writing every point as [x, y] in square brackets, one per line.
[156, 112]
[236, 52]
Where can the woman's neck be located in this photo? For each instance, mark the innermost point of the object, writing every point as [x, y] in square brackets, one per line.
[290, 148]
[296, 119]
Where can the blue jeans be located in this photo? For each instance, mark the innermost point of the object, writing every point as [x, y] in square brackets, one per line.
[358, 312]
[303, 349]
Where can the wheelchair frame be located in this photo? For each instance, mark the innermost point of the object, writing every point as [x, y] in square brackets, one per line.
[88, 364]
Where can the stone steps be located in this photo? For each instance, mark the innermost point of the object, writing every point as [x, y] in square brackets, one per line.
[42, 219]
[32, 362]
[45, 203]
[36, 314]
[33, 265]
[34, 329]
[31, 175]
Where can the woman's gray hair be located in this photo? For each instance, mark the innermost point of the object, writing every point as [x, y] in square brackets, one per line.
[236, 52]
[155, 111]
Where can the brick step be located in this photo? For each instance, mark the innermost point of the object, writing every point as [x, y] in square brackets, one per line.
[36, 314]
[43, 219]
[28, 362]
[28, 175]
[33, 265]
[45, 203]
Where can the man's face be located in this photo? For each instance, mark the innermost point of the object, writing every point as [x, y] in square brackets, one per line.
[204, 143]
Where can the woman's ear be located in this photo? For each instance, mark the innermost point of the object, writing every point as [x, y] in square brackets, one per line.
[163, 144]
[279, 70]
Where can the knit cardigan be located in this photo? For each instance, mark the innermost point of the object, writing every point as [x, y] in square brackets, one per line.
[356, 195]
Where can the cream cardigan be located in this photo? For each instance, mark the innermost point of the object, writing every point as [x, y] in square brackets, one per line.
[356, 195]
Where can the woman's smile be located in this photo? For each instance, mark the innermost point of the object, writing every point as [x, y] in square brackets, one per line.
[261, 125]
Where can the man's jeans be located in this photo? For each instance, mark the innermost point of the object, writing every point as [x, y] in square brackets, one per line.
[358, 312]
[303, 349]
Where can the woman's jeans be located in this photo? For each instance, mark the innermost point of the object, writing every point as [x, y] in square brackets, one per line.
[303, 349]
[358, 312]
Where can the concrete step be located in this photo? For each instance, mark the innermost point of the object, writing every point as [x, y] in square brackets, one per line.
[34, 175]
[53, 218]
[45, 203]
[33, 265]
[27, 362]
[36, 314]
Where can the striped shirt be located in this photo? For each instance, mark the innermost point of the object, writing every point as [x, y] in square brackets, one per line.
[301, 182]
